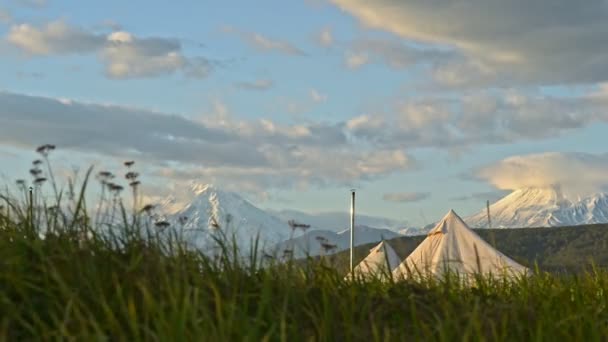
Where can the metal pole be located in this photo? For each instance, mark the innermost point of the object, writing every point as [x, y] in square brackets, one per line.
[489, 219]
[352, 230]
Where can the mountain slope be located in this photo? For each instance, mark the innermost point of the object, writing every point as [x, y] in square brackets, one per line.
[542, 207]
[310, 244]
[336, 221]
[212, 211]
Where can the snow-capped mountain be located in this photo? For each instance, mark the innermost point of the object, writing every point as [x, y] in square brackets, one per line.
[336, 221]
[542, 207]
[213, 210]
[311, 243]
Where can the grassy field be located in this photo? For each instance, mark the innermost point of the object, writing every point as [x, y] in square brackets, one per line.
[69, 287]
[128, 284]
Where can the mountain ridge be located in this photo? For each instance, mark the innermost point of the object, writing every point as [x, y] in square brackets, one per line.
[542, 207]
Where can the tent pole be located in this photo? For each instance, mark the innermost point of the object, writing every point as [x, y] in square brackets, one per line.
[488, 209]
[352, 229]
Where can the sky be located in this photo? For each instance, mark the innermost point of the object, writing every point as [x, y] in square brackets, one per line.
[421, 106]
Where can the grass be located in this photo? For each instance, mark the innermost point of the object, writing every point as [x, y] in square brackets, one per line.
[73, 283]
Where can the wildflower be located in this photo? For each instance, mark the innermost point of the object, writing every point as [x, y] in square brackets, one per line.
[45, 149]
[115, 188]
[327, 247]
[35, 172]
[129, 163]
[214, 223]
[131, 175]
[294, 225]
[287, 253]
[162, 224]
[105, 175]
[37, 162]
[183, 220]
[148, 208]
[134, 184]
[39, 180]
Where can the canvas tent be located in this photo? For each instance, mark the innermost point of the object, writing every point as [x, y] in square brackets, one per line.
[453, 247]
[380, 261]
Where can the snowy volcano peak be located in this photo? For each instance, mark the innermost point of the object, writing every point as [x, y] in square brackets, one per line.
[212, 209]
[543, 207]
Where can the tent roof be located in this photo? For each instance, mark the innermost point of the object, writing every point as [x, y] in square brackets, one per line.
[451, 246]
[380, 260]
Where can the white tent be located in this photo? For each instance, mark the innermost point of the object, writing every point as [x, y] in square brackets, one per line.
[453, 247]
[380, 261]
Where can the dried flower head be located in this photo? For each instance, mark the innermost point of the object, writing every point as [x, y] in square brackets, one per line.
[183, 220]
[115, 188]
[129, 163]
[105, 175]
[134, 183]
[148, 208]
[131, 175]
[162, 224]
[214, 224]
[35, 172]
[45, 149]
[20, 182]
[328, 246]
[295, 225]
[287, 253]
[37, 162]
[39, 180]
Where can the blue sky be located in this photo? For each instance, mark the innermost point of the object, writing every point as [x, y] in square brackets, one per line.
[294, 103]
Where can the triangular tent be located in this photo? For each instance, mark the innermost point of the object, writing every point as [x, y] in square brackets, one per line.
[380, 261]
[453, 247]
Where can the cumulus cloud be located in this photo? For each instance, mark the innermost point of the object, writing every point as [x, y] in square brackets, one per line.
[217, 148]
[317, 96]
[325, 37]
[405, 197]
[53, 38]
[393, 53]
[485, 117]
[356, 60]
[264, 43]
[515, 39]
[260, 84]
[576, 173]
[123, 54]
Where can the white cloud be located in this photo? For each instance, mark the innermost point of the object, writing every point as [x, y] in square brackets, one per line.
[325, 37]
[317, 97]
[259, 84]
[217, 148]
[356, 60]
[576, 173]
[53, 38]
[484, 117]
[264, 43]
[123, 54]
[405, 197]
[517, 40]
[393, 53]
